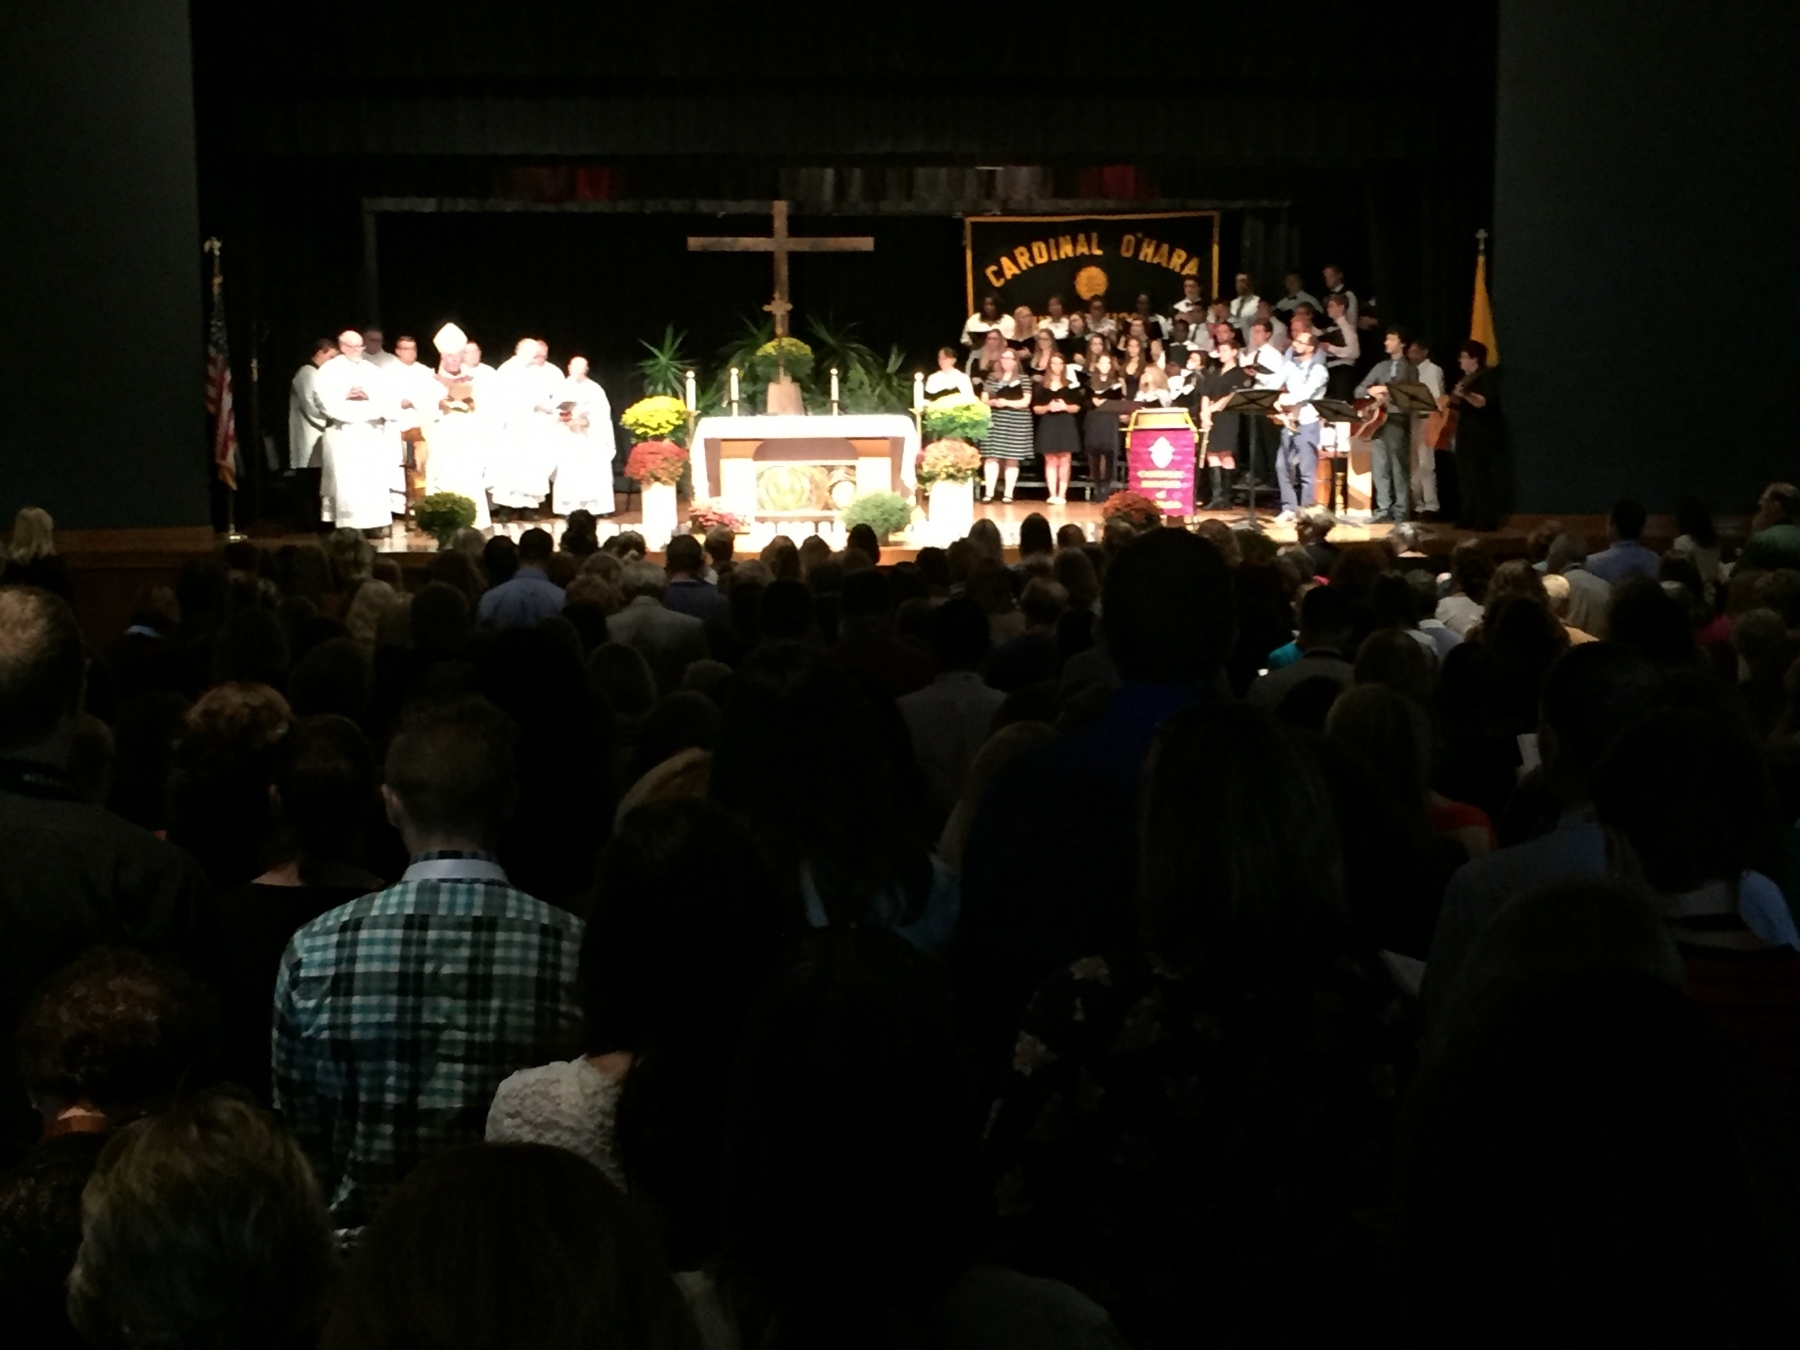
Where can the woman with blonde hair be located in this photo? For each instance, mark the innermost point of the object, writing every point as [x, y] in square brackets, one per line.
[31, 556]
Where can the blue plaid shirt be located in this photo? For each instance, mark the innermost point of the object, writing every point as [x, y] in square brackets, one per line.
[397, 1016]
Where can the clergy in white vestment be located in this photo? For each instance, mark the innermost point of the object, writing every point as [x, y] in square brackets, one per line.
[306, 419]
[584, 461]
[417, 391]
[457, 459]
[375, 350]
[358, 456]
[527, 389]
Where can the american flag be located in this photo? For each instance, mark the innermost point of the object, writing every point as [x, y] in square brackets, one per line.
[218, 392]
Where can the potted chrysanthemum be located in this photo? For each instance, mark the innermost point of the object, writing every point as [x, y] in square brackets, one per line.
[656, 467]
[947, 472]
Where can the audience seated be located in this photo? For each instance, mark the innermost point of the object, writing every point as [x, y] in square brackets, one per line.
[520, 593]
[951, 718]
[669, 639]
[1624, 557]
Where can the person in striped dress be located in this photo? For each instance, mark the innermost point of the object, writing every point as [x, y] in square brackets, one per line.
[1009, 444]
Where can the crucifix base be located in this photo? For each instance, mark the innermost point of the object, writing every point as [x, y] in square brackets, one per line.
[785, 399]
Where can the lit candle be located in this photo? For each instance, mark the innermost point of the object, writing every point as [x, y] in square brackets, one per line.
[693, 401]
[734, 386]
[918, 391]
[834, 387]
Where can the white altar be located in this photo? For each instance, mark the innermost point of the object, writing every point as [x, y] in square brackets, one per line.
[874, 452]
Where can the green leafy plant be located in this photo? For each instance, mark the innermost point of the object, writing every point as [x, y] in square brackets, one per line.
[660, 417]
[946, 421]
[665, 370]
[660, 462]
[442, 514]
[884, 512]
[949, 462]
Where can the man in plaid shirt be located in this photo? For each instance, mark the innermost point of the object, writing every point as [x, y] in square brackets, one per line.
[397, 1015]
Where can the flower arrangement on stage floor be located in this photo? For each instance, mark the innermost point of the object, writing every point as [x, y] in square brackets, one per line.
[1136, 508]
[886, 513]
[657, 418]
[704, 517]
[442, 514]
[959, 421]
[656, 462]
[949, 461]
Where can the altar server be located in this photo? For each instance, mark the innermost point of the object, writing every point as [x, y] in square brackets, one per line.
[417, 391]
[358, 449]
[306, 419]
[585, 449]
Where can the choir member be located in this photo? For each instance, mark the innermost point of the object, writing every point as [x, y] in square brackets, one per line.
[1007, 391]
[988, 317]
[1054, 407]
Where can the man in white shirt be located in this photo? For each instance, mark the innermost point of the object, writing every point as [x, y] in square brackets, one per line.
[1424, 458]
[1334, 285]
[373, 350]
[1261, 358]
[1192, 305]
[357, 448]
[1302, 381]
[1242, 309]
[1295, 297]
[1278, 331]
[306, 420]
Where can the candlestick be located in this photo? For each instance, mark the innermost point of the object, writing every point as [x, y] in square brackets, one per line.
[734, 389]
[693, 401]
[918, 391]
[834, 389]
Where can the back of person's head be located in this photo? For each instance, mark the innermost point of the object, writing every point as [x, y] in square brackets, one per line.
[251, 646]
[1043, 602]
[450, 769]
[683, 719]
[785, 611]
[867, 595]
[1591, 693]
[535, 547]
[40, 1233]
[1393, 601]
[960, 635]
[721, 543]
[1407, 537]
[1035, 536]
[202, 1228]
[863, 539]
[1780, 591]
[1515, 577]
[782, 558]
[1169, 614]
[684, 556]
[990, 585]
[1225, 782]
[351, 556]
[324, 790]
[1646, 618]
[667, 971]
[1575, 1176]
[33, 535]
[371, 609]
[1326, 618]
[335, 677]
[1390, 731]
[1314, 524]
[499, 559]
[1070, 535]
[1627, 518]
[441, 618]
[1783, 499]
[623, 677]
[643, 578]
[1394, 658]
[627, 544]
[984, 538]
[1566, 551]
[604, 565]
[1074, 571]
[508, 1245]
[459, 570]
[1690, 793]
[230, 727]
[1472, 567]
[42, 668]
[850, 1157]
[117, 1032]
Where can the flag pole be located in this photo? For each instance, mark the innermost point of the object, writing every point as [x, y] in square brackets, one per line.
[214, 247]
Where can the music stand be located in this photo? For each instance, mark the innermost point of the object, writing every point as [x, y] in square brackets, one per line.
[1252, 403]
[1411, 397]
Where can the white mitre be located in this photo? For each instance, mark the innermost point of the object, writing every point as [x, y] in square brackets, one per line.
[449, 339]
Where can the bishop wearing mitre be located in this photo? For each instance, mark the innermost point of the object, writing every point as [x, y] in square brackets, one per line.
[458, 459]
[357, 447]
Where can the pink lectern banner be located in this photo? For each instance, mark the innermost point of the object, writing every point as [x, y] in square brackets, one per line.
[1160, 463]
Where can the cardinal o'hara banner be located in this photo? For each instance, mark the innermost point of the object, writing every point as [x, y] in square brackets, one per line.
[1024, 260]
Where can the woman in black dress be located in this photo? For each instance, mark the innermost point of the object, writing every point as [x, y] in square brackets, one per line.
[1479, 439]
[1131, 369]
[1043, 351]
[1053, 407]
[1100, 430]
[1223, 429]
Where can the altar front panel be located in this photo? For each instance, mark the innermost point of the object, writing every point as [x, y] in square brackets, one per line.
[802, 467]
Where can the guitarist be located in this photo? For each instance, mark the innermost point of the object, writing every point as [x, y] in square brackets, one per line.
[1390, 448]
[1302, 381]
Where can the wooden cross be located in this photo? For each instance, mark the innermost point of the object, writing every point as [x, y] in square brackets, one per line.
[781, 243]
